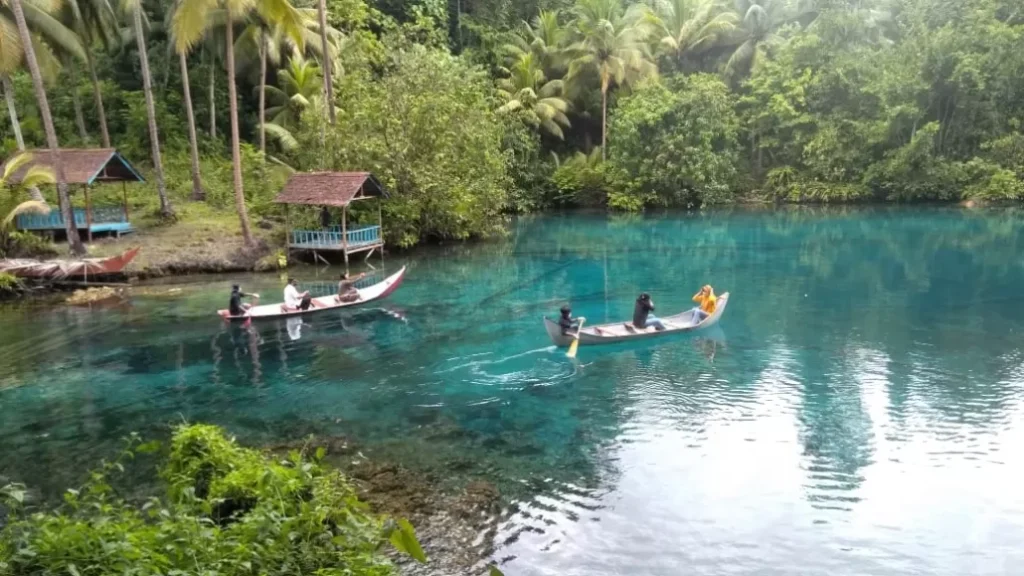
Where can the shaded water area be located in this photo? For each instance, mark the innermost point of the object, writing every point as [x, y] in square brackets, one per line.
[859, 410]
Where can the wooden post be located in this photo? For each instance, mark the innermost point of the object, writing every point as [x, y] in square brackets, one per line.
[344, 233]
[124, 192]
[380, 223]
[287, 233]
[88, 213]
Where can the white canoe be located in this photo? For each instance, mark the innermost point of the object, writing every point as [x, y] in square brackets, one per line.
[368, 294]
[617, 332]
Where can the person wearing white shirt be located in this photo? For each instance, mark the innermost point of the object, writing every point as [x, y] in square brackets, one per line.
[295, 300]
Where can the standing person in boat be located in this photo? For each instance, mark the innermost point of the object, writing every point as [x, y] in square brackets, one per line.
[567, 323]
[294, 300]
[706, 302]
[236, 307]
[347, 291]
[642, 317]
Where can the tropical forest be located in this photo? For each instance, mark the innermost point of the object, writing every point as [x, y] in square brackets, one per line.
[471, 110]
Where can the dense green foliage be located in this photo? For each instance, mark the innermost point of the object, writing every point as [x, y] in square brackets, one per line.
[427, 129]
[473, 109]
[226, 510]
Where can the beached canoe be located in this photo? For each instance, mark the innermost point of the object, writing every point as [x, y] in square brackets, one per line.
[83, 268]
[618, 332]
[368, 294]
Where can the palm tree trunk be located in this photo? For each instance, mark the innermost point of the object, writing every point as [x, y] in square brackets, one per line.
[76, 103]
[604, 123]
[328, 64]
[98, 96]
[64, 200]
[33, 192]
[263, 93]
[154, 137]
[213, 98]
[197, 182]
[236, 151]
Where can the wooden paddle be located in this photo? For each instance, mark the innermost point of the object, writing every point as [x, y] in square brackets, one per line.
[575, 340]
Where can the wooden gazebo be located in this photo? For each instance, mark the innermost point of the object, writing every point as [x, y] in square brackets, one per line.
[84, 167]
[335, 190]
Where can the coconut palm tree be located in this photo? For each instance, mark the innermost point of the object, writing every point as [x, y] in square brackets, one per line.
[134, 10]
[92, 21]
[613, 43]
[33, 177]
[538, 99]
[756, 35]
[191, 21]
[690, 27]
[300, 88]
[271, 41]
[328, 63]
[63, 198]
[193, 141]
[46, 29]
[545, 38]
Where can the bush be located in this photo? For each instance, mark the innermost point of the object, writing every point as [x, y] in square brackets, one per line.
[8, 284]
[583, 180]
[227, 510]
[676, 143]
[428, 130]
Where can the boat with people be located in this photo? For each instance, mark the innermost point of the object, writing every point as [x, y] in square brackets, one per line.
[687, 321]
[319, 304]
[81, 268]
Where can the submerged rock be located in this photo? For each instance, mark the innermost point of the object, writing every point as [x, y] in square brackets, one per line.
[104, 294]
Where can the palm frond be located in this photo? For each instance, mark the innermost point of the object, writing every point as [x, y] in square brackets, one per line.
[11, 50]
[27, 207]
[37, 176]
[191, 19]
[282, 136]
[56, 34]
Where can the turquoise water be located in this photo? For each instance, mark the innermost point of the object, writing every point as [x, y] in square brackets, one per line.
[857, 411]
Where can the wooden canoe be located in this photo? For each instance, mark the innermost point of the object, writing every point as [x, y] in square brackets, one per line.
[85, 268]
[370, 293]
[617, 332]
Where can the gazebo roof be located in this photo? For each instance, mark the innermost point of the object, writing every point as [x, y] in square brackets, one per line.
[329, 188]
[82, 165]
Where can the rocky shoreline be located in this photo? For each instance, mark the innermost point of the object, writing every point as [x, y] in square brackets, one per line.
[455, 527]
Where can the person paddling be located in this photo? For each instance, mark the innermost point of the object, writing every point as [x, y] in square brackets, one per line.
[706, 302]
[642, 317]
[347, 291]
[567, 323]
[294, 300]
[235, 306]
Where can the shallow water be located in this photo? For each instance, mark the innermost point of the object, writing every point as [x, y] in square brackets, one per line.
[857, 411]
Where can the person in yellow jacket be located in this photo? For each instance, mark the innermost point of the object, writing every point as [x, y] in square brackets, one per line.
[706, 301]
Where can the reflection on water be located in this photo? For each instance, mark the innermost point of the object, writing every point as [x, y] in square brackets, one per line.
[858, 410]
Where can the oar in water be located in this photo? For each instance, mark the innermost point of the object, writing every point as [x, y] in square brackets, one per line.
[575, 340]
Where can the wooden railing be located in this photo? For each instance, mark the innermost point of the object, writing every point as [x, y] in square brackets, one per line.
[54, 220]
[331, 237]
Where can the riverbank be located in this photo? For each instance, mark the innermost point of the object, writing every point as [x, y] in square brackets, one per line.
[455, 525]
[201, 241]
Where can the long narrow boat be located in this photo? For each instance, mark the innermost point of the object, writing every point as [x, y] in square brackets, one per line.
[370, 293]
[618, 332]
[63, 269]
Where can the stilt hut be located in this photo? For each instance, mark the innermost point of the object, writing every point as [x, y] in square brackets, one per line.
[83, 167]
[335, 190]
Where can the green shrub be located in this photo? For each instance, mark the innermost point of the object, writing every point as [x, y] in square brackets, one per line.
[227, 510]
[8, 283]
[677, 142]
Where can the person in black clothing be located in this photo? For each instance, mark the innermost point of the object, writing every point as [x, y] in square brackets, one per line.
[235, 307]
[567, 323]
[642, 317]
[325, 217]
